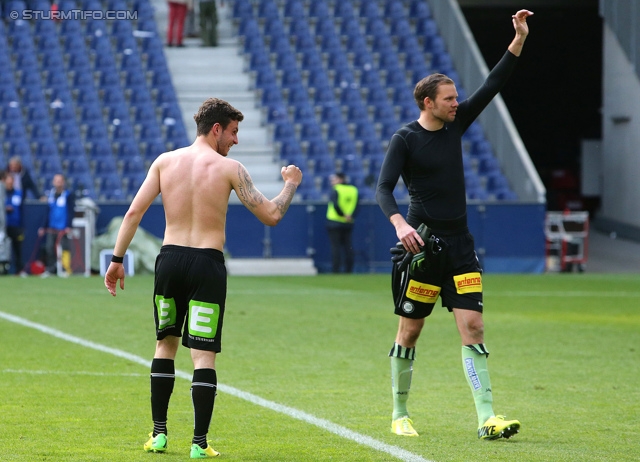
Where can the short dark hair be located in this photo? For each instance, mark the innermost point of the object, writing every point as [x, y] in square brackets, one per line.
[428, 88]
[341, 176]
[215, 111]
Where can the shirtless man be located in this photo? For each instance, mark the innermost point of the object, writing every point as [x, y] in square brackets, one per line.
[190, 278]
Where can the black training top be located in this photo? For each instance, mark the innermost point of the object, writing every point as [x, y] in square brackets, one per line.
[430, 162]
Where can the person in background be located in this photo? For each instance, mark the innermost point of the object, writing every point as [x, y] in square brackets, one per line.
[57, 224]
[22, 180]
[5, 253]
[175, 26]
[342, 207]
[191, 278]
[15, 229]
[435, 257]
[209, 23]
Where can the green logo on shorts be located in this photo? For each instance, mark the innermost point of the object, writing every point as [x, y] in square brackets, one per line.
[203, 319]
[166, 311]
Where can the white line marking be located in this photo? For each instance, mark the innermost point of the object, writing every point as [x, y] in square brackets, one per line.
[359, 438]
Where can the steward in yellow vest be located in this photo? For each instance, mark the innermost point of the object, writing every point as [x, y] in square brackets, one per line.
[342, 207]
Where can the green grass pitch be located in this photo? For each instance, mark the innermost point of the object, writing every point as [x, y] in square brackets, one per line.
[304, 373]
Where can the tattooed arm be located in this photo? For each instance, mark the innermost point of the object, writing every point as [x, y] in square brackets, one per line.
[269, 212]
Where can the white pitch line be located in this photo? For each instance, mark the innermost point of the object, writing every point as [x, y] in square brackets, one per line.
[324, 424]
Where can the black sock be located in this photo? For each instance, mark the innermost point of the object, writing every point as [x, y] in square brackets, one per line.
[203, 394]
[162, 380]
[200, 441]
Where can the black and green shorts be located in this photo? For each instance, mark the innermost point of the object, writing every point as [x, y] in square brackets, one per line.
[454, 275]
[189, 296]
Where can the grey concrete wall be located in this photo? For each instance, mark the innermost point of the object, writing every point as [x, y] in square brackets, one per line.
[621, 136]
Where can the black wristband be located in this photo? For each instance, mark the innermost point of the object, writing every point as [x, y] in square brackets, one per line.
[115, 259]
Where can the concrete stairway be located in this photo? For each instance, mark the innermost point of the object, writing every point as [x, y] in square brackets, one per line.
[199, 73]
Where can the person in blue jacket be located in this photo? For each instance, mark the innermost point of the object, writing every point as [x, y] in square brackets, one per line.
[58, 222]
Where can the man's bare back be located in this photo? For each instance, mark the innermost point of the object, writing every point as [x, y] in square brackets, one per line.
[195, 183]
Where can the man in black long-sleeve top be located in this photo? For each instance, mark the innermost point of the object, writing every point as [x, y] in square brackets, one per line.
[442, 262]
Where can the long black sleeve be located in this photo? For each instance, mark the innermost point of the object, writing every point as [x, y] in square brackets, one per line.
[430, 162]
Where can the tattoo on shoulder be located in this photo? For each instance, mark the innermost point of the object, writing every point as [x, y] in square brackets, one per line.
[283, 201]
[247, 192]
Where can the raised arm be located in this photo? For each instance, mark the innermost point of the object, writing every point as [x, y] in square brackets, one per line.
[522, 30]
[269, 212]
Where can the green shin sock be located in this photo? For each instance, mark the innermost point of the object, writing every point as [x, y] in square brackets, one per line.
[474, 362]
[401, 369]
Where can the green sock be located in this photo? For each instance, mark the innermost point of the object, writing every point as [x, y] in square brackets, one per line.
[401, 369]
[474, 362]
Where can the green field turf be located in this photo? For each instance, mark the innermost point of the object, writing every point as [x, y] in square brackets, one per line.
[304, 373]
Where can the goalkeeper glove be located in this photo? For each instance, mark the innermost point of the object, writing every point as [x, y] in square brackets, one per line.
[400, 257]
[418, 262]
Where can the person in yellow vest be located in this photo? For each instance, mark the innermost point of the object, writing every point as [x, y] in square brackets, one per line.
[341, 210]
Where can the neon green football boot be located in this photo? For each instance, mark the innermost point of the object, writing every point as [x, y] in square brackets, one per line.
[157, 443]
[403, 427]
[198, 453]
[497, 427]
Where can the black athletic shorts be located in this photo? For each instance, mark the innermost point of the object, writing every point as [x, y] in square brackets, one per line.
[454, 275]
[189, 294]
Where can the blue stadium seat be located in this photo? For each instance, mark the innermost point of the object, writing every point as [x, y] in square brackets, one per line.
[291, 79]
[242, 9]
[371, 148]
[72, 150]
[344, 10]
[290, 148]
[81, 184]
[44, 149]
[419, 9]
[248, 27]
[297, 96]
[104, 166]
[323, 166]
[126, 149]
[77, 166]
[100, 150]
[357, 112]
[317, 147]
[394, 9]
[274, 29]
[294, 9]
[369, 10]
[428, 29]
[344, 148]
[133, 165]
[49, 166]
[319, 9]
[310, 130]
[352, 165]
[110, 187]
[153, 149]
[304, 113]
[145, 10]
[268, 9]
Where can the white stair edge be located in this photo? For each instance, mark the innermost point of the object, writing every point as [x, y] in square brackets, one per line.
[271, 267]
